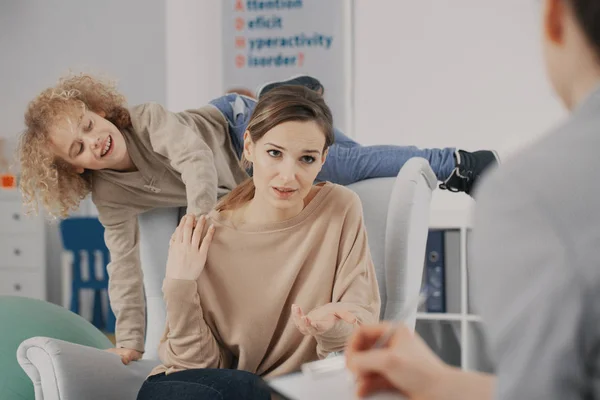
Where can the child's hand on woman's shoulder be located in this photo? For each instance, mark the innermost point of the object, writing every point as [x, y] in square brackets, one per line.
[187, 250]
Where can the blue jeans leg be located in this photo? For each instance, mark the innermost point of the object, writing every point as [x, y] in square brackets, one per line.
[198, 384]
[347, 161]
[237, 110]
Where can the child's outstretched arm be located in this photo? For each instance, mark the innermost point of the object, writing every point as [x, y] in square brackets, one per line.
[126, 287]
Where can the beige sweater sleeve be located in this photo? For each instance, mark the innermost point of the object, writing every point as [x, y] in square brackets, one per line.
[188, 341]
[187, 153]
[125, 285]
[355, 282]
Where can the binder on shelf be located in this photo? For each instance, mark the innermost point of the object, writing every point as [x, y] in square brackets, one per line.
[435, 272]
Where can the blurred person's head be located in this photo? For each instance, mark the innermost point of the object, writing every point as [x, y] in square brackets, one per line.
[571, 42]
[286, 145]
[70, 130]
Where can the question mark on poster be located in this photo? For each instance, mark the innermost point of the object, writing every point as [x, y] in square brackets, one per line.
[300, 59]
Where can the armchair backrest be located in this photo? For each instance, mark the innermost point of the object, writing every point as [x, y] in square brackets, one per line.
[156, 228]
[396, 214]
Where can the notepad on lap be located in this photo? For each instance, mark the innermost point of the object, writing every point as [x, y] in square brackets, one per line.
[330, 385]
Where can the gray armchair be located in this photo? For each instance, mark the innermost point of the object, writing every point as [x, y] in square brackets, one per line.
[396, 217]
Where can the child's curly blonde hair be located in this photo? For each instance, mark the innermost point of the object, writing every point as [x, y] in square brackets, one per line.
[45, 177]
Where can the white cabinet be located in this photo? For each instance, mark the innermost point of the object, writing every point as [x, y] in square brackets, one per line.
[22, 249]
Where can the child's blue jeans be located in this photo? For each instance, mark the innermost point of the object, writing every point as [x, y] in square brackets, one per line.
[347, 161]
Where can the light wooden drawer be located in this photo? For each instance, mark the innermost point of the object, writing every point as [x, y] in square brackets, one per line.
[12, 219]
[19, 283]
[22, 250]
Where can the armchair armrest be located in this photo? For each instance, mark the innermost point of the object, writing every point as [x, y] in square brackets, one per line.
[66, 371]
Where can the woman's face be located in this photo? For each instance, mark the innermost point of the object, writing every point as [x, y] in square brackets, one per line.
[89, 141]
[286, 161]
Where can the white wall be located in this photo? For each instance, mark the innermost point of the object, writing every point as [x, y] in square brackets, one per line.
[194, 66]
[460, 73]
[465, 73]
[42, 40]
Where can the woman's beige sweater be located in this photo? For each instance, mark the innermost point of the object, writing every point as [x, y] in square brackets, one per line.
[238, 313]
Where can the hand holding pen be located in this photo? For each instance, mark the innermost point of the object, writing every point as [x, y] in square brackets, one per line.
[390, 356]
[405, 364]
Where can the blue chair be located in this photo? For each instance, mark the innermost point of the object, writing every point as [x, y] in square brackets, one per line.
[81, 235]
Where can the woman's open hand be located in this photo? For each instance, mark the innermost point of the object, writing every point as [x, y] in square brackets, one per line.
[325, 319]
[188, 250]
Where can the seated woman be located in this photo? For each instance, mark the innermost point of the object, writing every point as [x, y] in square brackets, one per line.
[286, 277]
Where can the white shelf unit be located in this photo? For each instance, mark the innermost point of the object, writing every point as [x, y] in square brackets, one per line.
[456, 335]
[22, 249]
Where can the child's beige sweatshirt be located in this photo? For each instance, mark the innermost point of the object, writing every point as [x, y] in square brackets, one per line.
[182, 159]
[238, 313]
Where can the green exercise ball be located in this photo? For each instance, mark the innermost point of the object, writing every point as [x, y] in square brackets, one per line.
[22, 318]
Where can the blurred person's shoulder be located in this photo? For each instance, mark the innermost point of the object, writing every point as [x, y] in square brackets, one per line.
[559, 167]
[554, 180]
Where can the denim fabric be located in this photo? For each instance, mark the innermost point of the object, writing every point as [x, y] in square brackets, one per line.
[237, 110]
[347, 161]
[200, 384]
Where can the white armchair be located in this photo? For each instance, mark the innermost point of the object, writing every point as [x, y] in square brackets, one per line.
[396, 217]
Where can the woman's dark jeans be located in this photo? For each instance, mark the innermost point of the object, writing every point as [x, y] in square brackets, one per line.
[200, 384]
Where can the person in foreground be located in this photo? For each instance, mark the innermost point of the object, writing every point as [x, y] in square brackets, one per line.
[278, 274]
[534, 253]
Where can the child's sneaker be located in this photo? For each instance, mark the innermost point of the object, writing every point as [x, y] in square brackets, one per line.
[469, 168]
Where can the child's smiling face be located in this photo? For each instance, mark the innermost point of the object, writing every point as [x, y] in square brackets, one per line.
[89, 141]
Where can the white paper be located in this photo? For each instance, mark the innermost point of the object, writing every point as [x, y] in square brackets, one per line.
[331, 386]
